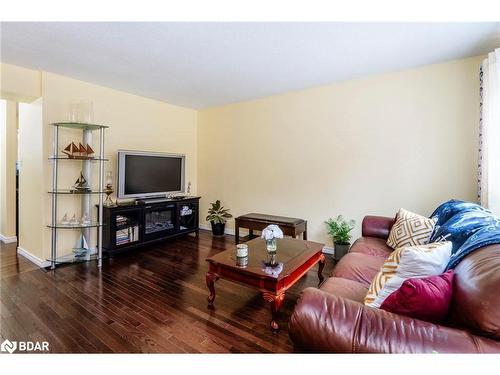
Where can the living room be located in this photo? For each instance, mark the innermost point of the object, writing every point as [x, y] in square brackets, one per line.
[250, 187]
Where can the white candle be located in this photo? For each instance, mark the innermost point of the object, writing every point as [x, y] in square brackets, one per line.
[241, 250]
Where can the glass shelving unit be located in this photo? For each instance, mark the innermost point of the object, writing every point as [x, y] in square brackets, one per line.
[92, 224]
[75, 192]
[79, 125]
[70, 258]
[78, 255]
[64, 157]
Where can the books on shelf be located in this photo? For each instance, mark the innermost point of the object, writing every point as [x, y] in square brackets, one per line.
[120, 220]
[127, 235]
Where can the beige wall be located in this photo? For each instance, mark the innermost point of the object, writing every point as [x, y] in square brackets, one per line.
[20, 84]
[32, 218]
[368, 146]
[8, 157]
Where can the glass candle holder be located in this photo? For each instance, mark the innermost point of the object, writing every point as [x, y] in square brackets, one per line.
[242, 262]
[108, 189]
[241, 251]
[109, 178]
[272, 245]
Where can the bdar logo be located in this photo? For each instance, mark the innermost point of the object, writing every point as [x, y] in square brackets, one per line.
[8, 346]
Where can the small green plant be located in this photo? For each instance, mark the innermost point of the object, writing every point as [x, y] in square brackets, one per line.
[218, 214]
[340, 230]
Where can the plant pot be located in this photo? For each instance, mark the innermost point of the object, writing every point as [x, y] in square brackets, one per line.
[340, 250]
[218, 229]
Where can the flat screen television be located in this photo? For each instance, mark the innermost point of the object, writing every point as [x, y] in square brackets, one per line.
[148, 174]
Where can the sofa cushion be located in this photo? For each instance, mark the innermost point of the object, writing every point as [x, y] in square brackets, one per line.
[345, 288]
[371, 246]
[410, 229]
[358, 267]
[426, 298]
[476, 299]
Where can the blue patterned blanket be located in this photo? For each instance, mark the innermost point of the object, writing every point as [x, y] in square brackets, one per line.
[467, 225]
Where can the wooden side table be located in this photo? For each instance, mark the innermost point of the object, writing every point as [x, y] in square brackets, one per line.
[290, 226]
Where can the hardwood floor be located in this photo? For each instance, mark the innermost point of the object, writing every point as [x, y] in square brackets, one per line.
[153, 300]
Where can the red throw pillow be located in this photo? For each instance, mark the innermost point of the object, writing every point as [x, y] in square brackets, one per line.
[425, 298]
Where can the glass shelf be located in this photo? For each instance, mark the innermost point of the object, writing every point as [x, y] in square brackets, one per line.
[71, 258]
[75, 192]
[79, 125]
[93, 224]
[64, 157]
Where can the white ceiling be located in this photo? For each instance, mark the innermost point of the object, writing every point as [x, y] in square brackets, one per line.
[200, 65]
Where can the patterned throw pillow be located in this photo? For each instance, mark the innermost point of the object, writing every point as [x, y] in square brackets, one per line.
[410, 229]
[405, 263]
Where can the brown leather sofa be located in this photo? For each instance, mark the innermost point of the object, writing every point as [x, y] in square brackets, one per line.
[334, 319]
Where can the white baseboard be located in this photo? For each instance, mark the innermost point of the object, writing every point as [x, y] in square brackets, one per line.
[6, 239]
[32, 258]
[243, 232]
[205, 226]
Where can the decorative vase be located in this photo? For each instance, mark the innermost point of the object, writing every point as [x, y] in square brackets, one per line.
[272, 245]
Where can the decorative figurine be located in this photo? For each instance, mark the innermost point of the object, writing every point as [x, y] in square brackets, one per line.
[65, 219]
[78, 152]
[81, 249]
[108, 190]
[85, 220]
[81, 184]
[74, 220]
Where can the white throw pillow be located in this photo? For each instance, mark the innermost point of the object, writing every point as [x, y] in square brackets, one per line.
[405, 263]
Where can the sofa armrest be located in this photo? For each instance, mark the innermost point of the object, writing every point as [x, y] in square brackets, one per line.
[324, 322]
[377, 226]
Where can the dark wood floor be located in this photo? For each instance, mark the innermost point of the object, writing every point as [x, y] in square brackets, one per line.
[147, 301]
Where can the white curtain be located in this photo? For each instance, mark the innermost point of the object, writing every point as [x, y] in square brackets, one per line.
[489, 133]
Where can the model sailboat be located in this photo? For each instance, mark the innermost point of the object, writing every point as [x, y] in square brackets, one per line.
[81, 249]
[78, 152]
[71, 150]
[81, 184]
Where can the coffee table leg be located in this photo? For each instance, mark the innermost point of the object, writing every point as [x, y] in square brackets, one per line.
[321, 265]
[276, 301]
[211, 278]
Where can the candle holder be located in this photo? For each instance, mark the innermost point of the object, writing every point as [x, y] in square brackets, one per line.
[241, 250]
[108, 190]
[271, 260]
[242, 262]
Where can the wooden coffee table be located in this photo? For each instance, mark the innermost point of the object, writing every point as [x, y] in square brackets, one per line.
[294, 258]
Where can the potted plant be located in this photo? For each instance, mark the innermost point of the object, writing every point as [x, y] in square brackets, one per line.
[339, 230]
[218, 215]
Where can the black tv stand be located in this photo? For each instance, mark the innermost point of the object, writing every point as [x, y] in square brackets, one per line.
[147, 221]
